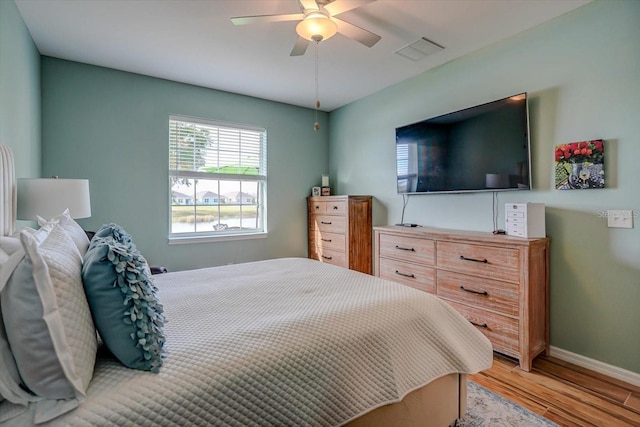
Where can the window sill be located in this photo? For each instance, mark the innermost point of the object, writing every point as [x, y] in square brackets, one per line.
[221, 238]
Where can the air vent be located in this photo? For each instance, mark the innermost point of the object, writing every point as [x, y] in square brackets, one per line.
[419, 49]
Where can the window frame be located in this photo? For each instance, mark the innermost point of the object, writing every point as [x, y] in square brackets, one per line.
[259, 179]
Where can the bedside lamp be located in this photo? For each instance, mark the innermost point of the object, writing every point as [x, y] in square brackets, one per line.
[48, 197]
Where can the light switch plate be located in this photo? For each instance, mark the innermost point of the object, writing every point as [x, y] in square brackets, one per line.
[620, 218]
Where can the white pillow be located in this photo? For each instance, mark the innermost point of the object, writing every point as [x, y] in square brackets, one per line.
[8, 245]
[77, 233]
[48, 322]
[40, 234]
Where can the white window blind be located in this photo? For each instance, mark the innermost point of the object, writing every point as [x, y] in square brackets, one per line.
[406, 166]
[218, 175]
[402, 159]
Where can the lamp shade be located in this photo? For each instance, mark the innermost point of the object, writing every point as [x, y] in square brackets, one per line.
[48, 197]
[316, 26]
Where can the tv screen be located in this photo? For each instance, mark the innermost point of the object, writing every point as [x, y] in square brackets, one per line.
[482, 148]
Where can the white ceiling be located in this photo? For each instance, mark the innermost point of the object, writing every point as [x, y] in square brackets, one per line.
[194, 41]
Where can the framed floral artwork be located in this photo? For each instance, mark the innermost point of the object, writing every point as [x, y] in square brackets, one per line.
[580, 165]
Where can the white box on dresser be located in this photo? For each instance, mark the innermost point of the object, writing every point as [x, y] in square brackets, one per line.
[525, 220]
[499, 283]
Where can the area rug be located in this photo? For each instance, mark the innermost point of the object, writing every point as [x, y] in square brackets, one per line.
[485, 408]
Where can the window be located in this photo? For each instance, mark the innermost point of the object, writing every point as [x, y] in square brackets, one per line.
[217, 178]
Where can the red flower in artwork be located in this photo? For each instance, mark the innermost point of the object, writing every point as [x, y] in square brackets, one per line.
[579, 152]
[598, 145]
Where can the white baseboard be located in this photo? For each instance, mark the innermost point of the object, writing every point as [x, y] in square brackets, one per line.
[597, 366]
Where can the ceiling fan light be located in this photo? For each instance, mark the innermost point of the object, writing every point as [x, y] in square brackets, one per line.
[316, 26]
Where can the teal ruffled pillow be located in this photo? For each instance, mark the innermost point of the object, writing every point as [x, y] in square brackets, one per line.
[114, 230]
[123, 301]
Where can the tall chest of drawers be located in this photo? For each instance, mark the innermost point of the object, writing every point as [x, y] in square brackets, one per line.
[499, 283]
[340, 231]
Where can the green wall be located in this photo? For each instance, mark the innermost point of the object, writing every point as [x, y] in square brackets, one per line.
[582, 73]
[19, 92]
[112, 128]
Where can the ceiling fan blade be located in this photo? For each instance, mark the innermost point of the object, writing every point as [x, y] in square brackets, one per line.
[300, 47]
[339, 6]
[308, 4]
[356, 33]
[244, 20]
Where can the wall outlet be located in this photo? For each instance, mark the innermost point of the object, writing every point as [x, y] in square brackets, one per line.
[620, 218]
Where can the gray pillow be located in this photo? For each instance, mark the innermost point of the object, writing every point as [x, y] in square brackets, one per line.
[11, 254]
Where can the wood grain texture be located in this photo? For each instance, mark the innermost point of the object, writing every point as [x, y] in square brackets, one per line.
[501, 330]
[499, 283]
[488, 294]
[564, 393]
[487, 261]
[360, 234]
[333, 257]
[330, 223]
[340, 231]
[417, 276]
[404, 248]
[332, 241]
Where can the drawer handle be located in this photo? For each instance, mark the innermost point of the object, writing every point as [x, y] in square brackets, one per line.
[471, 291]
[335, 208]
[479, 325]
[326, 240]
[327, 257]
[405, 249]
[405, 274]
[317, 207]
[325, 222]
[474, 259]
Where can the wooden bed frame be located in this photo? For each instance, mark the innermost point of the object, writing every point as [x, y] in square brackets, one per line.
[439, 403]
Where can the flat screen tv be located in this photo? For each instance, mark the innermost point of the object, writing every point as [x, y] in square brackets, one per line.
[481, 148]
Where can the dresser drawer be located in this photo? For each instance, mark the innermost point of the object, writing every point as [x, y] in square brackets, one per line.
[322, 207]
[331, 257]
[502, 331]
[502, 297]
[404, 248]
[328, 223]
[413, 275]
[317, 207]
[485, 261]
[335, 207]
[331, 241]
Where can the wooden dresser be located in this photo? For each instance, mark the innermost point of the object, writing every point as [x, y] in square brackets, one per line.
[499, 283]
[340, 231]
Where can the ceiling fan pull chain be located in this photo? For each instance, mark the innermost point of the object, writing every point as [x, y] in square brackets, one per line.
[316, 125]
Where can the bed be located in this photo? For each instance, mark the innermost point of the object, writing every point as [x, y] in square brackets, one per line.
[286, 342]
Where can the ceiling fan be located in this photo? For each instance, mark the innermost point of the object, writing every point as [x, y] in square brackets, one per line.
[318, 22]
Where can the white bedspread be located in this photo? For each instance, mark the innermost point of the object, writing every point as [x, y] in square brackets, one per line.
[287, 342]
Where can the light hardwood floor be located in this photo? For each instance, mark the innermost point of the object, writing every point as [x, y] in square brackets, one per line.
[564, 393]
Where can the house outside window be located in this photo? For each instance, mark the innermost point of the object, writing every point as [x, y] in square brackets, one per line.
[217, 179]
